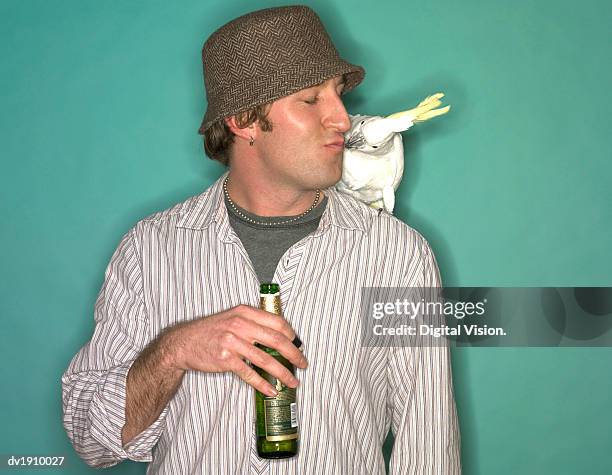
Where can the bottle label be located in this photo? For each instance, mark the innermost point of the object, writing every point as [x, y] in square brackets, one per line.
[280, 413]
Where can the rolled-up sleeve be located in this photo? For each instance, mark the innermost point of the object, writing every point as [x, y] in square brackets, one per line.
[94, 385]
[423, 412]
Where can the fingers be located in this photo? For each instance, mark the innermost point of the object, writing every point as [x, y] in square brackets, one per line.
[257, 326]
[266, 362]
[250, 331]
[285, 347]
[250, 376]
[266, 319]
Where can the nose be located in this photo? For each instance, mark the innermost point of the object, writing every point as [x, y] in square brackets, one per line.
[336, 117]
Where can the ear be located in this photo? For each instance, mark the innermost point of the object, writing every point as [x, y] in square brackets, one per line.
[245, 133]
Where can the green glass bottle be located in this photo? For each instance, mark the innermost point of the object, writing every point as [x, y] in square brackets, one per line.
[277, 427]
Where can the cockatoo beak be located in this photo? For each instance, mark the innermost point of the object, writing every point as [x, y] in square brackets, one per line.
[353, 142]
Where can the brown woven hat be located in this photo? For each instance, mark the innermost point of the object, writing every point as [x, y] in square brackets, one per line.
[265, 55]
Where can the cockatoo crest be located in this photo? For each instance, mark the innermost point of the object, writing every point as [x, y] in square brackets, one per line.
[373, 161]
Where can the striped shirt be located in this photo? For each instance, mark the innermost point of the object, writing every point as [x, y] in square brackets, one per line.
[187, 262]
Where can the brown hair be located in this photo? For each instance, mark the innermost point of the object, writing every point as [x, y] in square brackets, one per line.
[218, 138]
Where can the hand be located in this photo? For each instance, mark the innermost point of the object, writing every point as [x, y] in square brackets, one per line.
[221, 342]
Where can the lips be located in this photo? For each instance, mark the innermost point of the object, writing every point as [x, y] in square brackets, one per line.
[336, 144]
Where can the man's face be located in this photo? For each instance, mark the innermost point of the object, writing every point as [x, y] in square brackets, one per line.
[304, 149]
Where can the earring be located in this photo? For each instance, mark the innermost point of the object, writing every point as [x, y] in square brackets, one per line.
[251, 141]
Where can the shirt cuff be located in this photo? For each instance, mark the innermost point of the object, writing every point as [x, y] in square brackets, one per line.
[107, 416]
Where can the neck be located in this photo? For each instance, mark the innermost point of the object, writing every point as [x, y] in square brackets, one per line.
[268, 198]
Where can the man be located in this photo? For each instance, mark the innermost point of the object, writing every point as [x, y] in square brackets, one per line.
[165, 378]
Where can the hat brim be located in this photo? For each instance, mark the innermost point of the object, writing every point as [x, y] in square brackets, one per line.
[284, 82]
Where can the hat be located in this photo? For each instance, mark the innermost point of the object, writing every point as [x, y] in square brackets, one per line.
[266, 55]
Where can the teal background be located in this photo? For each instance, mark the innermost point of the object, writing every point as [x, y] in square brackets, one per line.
[101, 102]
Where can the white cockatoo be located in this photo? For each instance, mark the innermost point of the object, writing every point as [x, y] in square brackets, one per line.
[373, 161]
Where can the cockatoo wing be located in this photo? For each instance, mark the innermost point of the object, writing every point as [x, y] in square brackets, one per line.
[388, 198]
[356, 171]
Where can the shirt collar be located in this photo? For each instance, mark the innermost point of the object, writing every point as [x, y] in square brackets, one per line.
[209, 207]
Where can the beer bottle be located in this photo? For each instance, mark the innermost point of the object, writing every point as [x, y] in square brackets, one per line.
[277, 427]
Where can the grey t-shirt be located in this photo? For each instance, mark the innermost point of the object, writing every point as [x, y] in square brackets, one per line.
[265, 245]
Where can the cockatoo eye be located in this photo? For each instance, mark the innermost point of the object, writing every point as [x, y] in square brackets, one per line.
[362, 122]
[374, 146]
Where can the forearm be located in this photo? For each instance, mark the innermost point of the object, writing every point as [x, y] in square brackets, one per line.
[151, 382]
